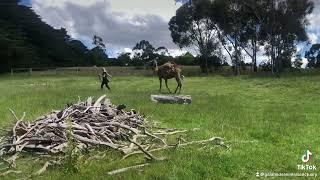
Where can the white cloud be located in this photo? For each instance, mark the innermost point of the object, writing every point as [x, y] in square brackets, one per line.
[304, 62]
[314, 20]
[121, 23]
[163, 8]
[176, 52]
[127, 50]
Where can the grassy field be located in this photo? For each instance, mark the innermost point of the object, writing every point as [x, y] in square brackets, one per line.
[268, 123]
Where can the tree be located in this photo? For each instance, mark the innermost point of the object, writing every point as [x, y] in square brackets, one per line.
[251, 37]
[27, 41]
[144, 51]
[124, 59]
[191, 27]
[277, 24]
[313, 56]
[284, 26]
[78, 46]
[186, 59]
[162, 51]
[297, 63]
[98, 42]
[97, 56]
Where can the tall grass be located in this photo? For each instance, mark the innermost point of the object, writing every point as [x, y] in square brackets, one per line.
[268, 123]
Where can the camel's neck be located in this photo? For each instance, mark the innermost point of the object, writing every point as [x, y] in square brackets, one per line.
[155, 66]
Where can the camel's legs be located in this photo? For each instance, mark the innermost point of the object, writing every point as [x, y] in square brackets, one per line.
[160, 79]
[166, 81]
[179, 85]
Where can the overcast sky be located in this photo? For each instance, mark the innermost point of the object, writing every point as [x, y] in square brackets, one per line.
[122, 23]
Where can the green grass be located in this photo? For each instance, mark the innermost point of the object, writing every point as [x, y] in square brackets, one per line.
[268, 123]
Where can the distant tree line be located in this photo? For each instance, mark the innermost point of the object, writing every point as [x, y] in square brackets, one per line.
[144, 52]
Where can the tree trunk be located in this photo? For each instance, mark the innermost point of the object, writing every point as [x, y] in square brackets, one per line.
[236, 56]
[254, 60]
[206, 61]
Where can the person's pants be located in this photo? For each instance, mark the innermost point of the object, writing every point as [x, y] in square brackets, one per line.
[105, 83]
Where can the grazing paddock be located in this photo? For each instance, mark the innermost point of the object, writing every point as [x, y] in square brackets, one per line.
[268, 123]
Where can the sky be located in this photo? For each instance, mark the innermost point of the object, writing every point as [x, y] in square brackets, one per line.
[123, 23]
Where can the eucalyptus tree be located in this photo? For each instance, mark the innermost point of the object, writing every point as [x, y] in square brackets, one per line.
[245, 25]
[144, 51]
[192, 28]
[284, 27]
[313, 56]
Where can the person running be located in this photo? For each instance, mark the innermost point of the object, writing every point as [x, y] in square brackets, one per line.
[104, 79]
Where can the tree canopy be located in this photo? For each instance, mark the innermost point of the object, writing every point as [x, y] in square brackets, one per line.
[27, 41]
[192, 27]
[243, 26]
[313, 56]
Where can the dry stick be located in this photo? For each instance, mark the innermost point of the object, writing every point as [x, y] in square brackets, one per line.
[9, 172]
[14, 131]
[170, 133]
[23, 116]
[124, 127]
[156, 137]
[180, 145]
[98, 156]
[19, 149]
[91, 141]
[105, 137]
[134, 138]
[43, 169]
[89, 128]
[98, 104]
[21, 137]
[99, 100]
[63, 114]
[12, 160]
[2, 169]
[14, 114]
[144, 151]
[88, 108]
[127, 168]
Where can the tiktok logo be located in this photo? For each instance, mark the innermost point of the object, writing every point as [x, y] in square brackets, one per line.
[306, 167]
[306, 157]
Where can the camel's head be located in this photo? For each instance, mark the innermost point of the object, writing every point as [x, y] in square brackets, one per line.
[154, 64]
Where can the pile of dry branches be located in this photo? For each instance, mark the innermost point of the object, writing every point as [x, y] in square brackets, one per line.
[89, 124]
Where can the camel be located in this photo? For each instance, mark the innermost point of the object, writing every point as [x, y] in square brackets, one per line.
[167, 71]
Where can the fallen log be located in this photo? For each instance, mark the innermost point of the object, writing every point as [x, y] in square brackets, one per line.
[171, 99]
